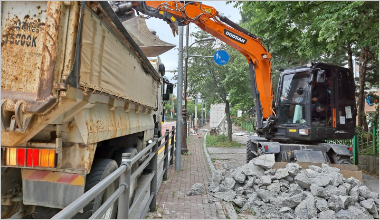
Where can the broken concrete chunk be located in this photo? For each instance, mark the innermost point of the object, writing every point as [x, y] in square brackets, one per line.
[311, 173]
[322, 180]
[270, 172]
[215, 180]
[344, 214]
[196, 189]
[365, 192]
[265, 195]
[265, 161]
[239, 201]
[359, 213]
[265, 180]
[281, 173]
[226, 166]
[239, 191]
[289, 178]
[336, 178]
[228, 196]
[315, 168]
[354, 192]
[228, 183]
[321, 204]
[251, 169]
[353, 182]
[293, 169]
[249, 182]
[303, 180]
[327, 169]
[347, 186]
[328, 214]
[286, 209]
[274, 187]
[293, 201]
[238, 175]
[369, 204]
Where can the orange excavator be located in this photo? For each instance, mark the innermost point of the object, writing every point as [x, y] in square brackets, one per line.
[314, 103]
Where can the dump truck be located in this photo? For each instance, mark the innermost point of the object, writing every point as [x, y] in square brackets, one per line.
[76, 93]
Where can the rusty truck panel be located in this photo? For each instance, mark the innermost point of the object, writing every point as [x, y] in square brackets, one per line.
[33, 89]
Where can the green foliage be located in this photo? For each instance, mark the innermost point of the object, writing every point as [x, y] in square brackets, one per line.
[220, 141]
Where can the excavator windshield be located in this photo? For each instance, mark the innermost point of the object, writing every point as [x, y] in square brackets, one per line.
[293, 98]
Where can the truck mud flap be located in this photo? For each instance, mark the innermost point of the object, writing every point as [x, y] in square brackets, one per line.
[347, 170]
[51, 189]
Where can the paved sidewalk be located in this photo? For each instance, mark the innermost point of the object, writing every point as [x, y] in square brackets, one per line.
[172, 199]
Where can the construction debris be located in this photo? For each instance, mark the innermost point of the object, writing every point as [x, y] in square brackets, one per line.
[196, 189]
[288, 193]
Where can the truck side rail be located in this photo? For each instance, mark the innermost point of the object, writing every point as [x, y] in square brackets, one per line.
[125, 178]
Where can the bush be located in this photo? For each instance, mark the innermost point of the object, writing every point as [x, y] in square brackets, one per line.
[220, 141]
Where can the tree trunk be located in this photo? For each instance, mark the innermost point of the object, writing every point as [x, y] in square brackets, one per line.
[349, 54]
[229, 123]
[363, 59]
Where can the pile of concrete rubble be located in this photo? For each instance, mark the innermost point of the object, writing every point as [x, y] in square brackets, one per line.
[288, 193]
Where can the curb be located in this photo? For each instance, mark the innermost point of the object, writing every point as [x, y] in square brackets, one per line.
[207, 155]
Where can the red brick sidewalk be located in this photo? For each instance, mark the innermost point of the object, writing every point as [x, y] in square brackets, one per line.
[172, 199]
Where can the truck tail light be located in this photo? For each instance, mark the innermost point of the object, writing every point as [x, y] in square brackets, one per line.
[11, 156]
[22, 157]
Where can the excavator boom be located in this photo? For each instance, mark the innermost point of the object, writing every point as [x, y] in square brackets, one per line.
[208, 19]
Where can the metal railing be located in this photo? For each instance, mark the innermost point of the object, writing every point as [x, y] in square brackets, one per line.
[364, 143]
[125, 178]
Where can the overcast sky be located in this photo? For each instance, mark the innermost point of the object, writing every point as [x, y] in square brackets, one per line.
[164, 32]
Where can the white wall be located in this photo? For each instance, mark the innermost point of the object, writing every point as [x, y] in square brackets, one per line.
[216, 114]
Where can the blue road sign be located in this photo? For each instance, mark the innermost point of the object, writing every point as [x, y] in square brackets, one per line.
[221, 57]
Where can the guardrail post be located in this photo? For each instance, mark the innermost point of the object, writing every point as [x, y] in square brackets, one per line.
[375, 141]
[125, 179]
[355, 147]
[153, 184]
[172, 143]
[166, 155]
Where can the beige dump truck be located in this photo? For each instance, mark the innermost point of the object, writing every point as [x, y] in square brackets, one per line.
[76, 93]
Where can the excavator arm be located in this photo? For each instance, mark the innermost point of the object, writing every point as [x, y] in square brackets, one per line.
[177, 13]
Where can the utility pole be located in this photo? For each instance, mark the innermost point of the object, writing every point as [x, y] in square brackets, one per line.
[184, 118]
[171, 110]
[179, 101]
[202, 113]
[196, 110]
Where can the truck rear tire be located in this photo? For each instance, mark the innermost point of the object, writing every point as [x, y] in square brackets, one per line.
[250, 155]
[101, 168]
[117, 158]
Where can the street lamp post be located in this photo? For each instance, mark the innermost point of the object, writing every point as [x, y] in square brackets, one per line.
[184, 108]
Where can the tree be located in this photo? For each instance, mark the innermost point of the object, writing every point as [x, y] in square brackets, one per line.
[214, 82]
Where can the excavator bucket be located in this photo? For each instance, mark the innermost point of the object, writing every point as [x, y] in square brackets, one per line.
[347, 170]
[146, 39]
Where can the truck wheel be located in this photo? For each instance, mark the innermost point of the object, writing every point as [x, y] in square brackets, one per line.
[11, 185]
[101, 168]
[117, 158]
[250, 155]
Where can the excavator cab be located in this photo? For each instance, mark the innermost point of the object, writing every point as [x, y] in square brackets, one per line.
[314, 103]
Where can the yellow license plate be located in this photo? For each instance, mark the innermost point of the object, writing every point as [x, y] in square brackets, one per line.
[292, 130]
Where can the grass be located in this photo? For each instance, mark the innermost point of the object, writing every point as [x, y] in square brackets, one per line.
[213, 160]
[173, 193]
[220, 141]
[237, 209]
